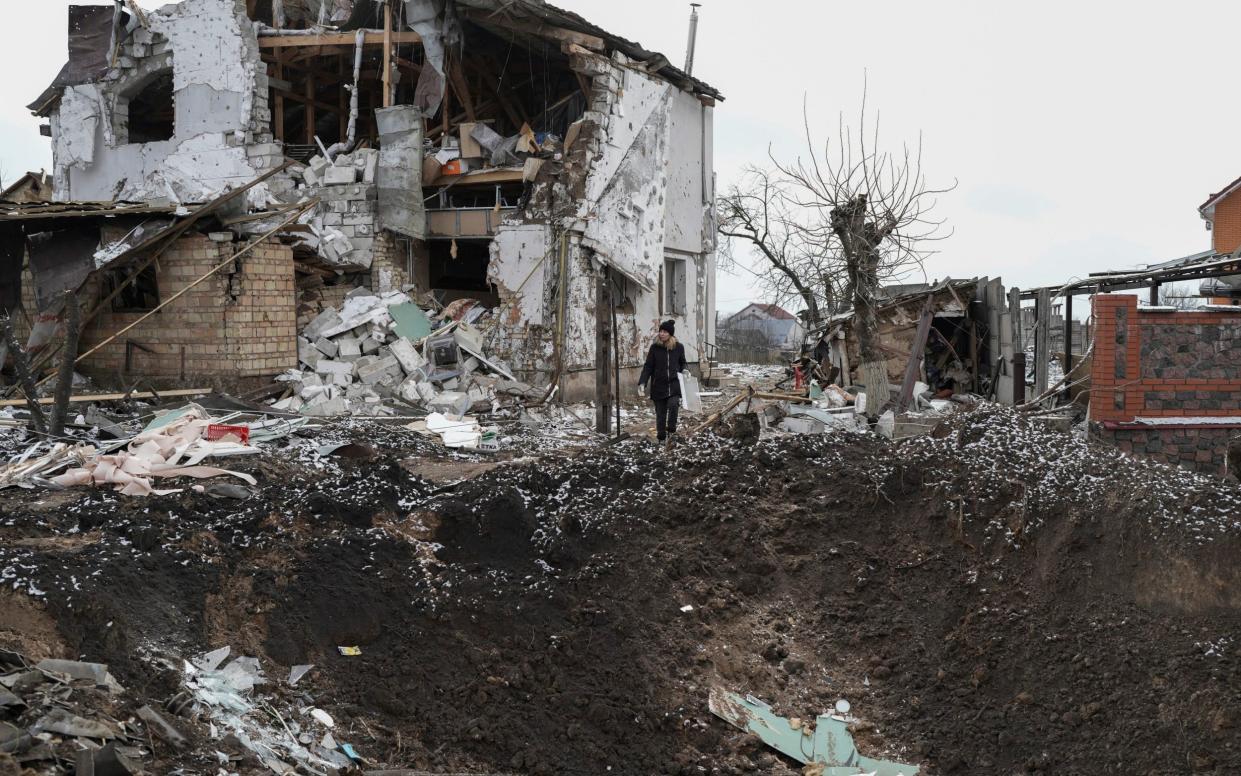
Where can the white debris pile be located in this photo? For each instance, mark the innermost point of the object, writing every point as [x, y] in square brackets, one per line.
[381, 353]
[172, 445]
[360, 166]
[224, 693]
[996, 460]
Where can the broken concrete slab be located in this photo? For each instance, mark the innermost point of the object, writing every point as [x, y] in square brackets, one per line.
[329, 368]
[308, 354]
[326, 407]
[373, 372]
[327, 320]
[340, 175]
[327, 347]
[407, 355]
[450, 403]
[347, 346]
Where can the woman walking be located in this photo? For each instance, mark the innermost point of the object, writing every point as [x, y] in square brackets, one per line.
[664, 362]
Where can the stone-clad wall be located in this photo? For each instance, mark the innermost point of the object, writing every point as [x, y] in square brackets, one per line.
[1193, 448]
[1166, 385]
[1199, 351]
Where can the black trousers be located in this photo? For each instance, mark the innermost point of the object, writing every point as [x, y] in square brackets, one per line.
[666, 416]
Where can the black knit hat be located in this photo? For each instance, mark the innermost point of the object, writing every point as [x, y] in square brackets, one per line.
[669, 326]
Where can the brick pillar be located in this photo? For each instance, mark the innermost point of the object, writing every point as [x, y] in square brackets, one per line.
[1114, 365]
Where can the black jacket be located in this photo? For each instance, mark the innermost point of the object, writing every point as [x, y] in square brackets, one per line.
[662, 366]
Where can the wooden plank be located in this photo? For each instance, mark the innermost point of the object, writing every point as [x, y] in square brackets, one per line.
[1068, 335]
[310, 108]
[603, 349]
[504, 175]
[916, 353]
[279, 115]
[1014, 311]
[176, 393]
[372, 38]
[462, 89]
[387, 55]
[1042, 340]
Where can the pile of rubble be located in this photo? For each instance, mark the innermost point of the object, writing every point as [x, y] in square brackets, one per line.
[382, 354]
[66, 716]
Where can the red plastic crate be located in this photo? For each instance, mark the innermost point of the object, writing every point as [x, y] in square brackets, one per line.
[217, 431]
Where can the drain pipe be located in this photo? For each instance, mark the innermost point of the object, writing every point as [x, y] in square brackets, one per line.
[693, 38]
[347, 144]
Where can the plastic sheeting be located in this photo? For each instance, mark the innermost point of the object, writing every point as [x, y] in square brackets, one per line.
[436, 23]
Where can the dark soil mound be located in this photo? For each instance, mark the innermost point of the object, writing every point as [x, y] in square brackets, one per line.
[997, 599]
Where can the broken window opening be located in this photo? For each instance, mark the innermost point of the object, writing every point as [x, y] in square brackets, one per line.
[673, 283]
[464, 276]
[140, 296]
[149, 110]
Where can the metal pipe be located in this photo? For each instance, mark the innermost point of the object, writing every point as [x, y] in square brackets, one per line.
[693, 38]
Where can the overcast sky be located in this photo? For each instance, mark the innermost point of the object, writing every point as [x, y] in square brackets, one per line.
[1083, 136]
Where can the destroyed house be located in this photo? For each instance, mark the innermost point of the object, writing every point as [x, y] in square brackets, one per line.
[509, 157]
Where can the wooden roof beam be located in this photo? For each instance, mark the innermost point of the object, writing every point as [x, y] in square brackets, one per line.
[335, 39]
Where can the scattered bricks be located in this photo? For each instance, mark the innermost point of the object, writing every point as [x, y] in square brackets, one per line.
[369, 345]
[386, 367]
[318, 165]
[371, 167]
[327, 347]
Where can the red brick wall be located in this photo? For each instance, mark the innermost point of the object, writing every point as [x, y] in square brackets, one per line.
[1146, 364]
[1165, 365]
[1226, 224]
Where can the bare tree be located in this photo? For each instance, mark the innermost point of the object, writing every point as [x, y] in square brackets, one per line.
[757, 213]
[836, 223]
[871, 209]
[1182, 296]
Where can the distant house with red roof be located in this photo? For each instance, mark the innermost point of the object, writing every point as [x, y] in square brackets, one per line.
[772, 323]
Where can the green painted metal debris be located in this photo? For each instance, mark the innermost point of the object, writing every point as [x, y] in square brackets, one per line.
[824, 742]
[411, 321]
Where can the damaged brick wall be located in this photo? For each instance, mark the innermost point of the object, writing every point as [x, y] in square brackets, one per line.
[1160, 381]
[240, 323]
[390, 262]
